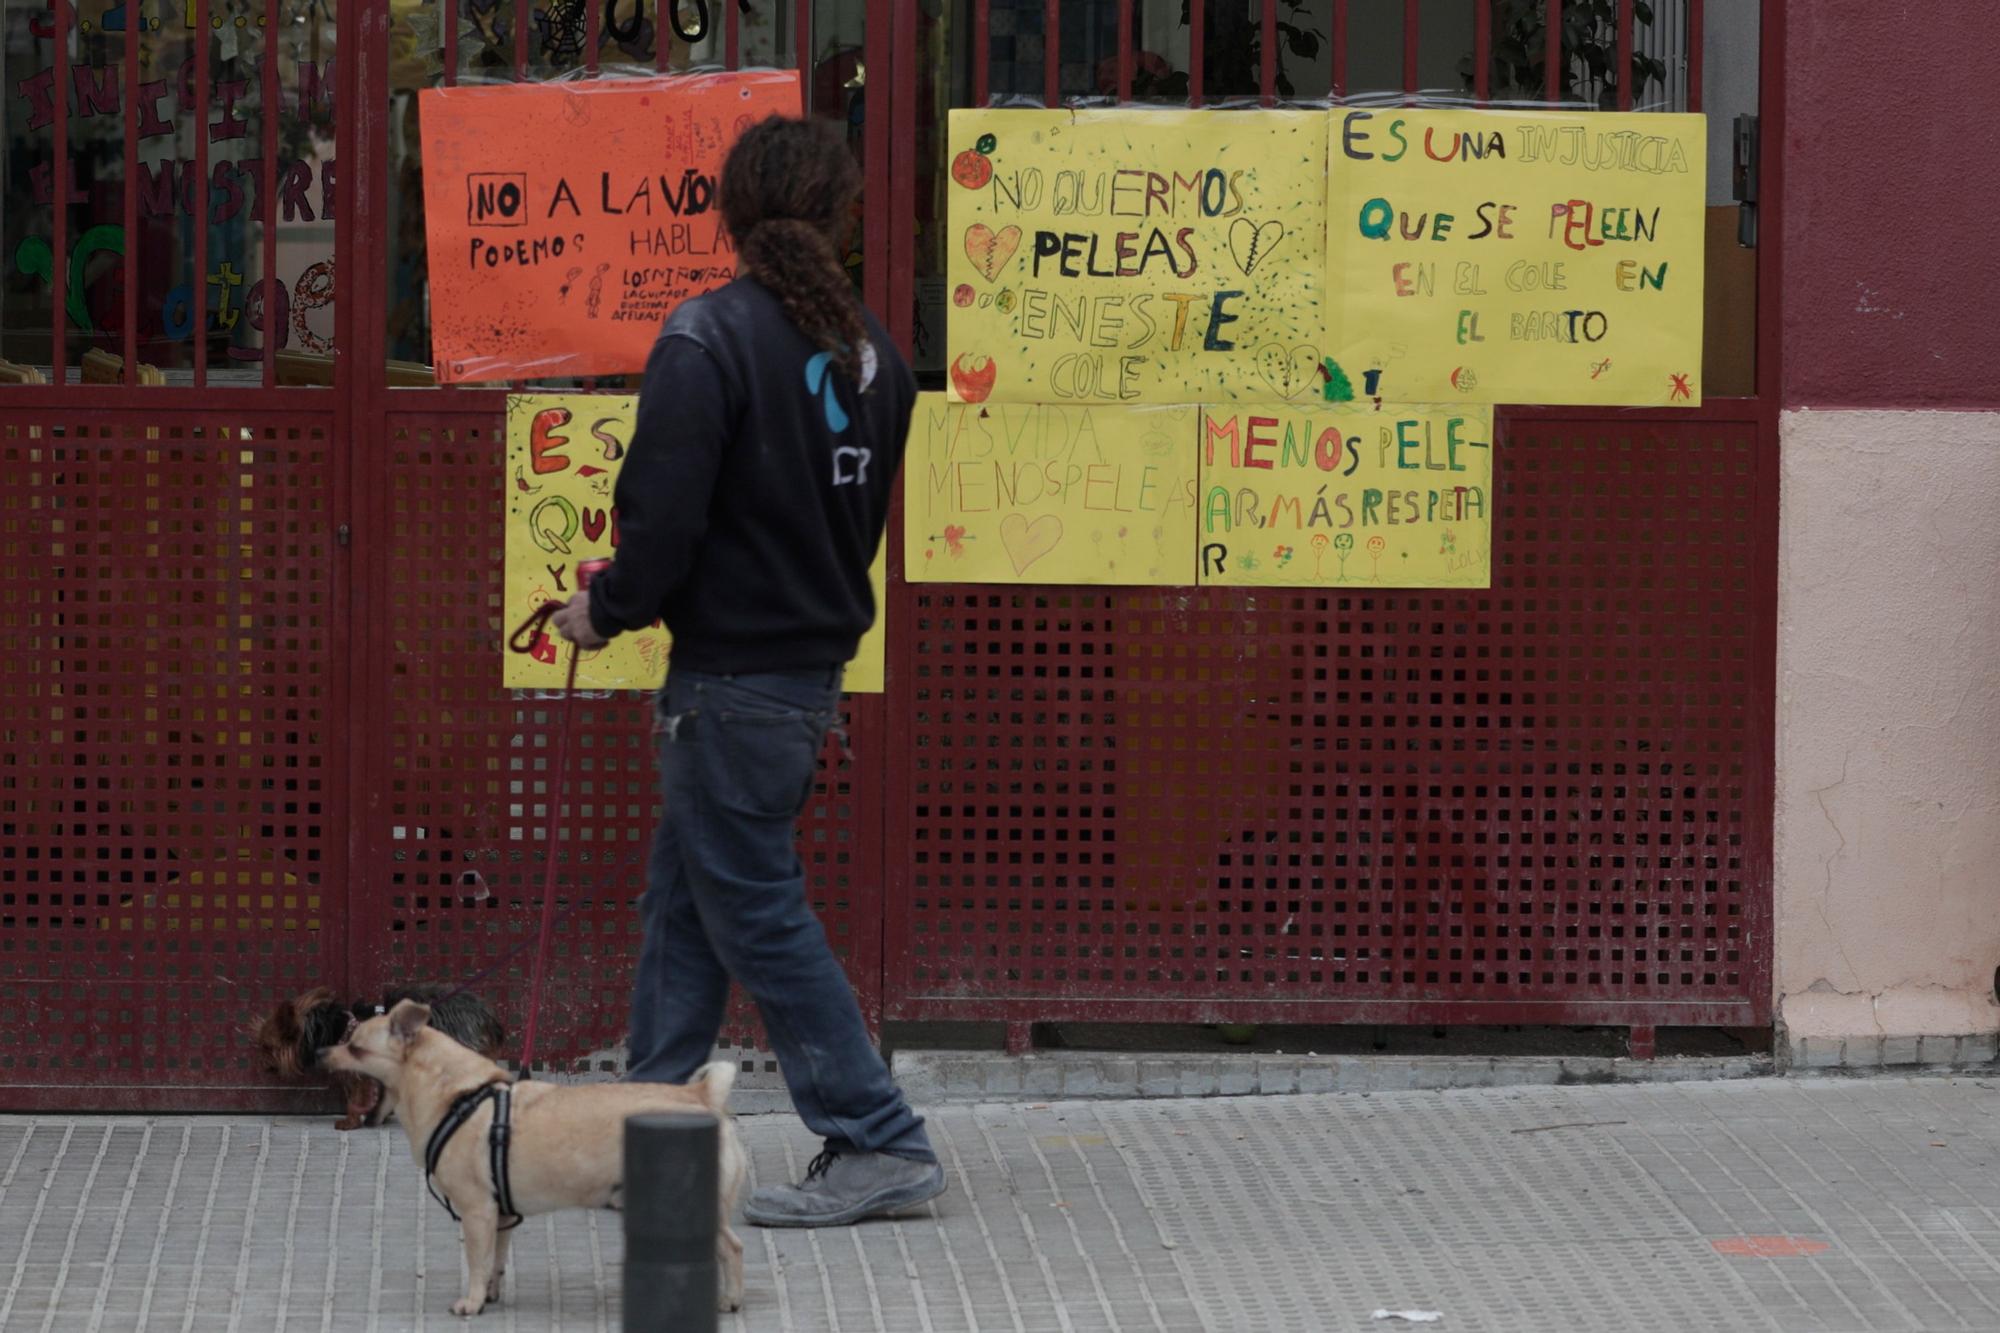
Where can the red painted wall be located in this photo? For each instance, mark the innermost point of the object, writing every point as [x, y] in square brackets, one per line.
[1891, 205]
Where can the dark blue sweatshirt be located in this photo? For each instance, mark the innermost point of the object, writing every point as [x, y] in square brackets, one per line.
[755, 490]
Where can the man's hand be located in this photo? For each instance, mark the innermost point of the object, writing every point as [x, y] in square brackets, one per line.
[573, 623]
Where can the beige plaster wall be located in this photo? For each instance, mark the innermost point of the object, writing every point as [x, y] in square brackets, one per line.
[1888, 764]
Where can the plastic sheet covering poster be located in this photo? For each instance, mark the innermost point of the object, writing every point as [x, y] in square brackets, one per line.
[565, 220]
[563, 452]
[1515, 257]
[1040, 493]
[1322, 497]
[1135, 256]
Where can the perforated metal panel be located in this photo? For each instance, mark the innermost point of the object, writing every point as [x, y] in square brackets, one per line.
[171, 801]
[461, 785]
[1546, 802]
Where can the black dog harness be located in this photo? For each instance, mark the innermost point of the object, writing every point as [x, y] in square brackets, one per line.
[461, 1110]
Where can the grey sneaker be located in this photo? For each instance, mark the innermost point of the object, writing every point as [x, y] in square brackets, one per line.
[843, 1188]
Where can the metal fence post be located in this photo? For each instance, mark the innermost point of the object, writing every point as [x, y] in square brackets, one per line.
[671, 1181]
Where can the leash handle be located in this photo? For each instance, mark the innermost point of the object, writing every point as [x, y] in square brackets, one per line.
[522, 640]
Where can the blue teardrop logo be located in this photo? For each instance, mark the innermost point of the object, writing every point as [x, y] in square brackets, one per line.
[819, 380]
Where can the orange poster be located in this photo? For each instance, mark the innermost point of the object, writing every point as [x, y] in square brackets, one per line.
[566, 220]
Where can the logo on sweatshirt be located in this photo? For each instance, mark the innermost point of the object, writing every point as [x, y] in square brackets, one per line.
[819, 382]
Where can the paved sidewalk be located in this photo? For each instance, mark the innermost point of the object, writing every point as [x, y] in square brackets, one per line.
[1763, 1204]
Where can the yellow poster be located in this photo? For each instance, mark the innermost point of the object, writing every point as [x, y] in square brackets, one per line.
[563, 452]
[1049, 494]
[1322, 497]
[1515, 257]
[1135, 256]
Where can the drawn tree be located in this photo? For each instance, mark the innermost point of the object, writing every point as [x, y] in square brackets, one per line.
[1339, 389]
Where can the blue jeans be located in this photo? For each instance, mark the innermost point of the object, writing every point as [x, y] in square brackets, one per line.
[726, 897]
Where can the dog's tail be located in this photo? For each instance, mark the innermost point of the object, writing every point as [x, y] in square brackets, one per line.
[712, 1083]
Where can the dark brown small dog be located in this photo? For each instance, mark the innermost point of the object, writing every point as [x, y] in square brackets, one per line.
[294, 1033]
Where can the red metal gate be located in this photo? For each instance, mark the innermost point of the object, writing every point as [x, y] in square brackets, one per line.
[173, 805]
[1546, 803]
[252, 737]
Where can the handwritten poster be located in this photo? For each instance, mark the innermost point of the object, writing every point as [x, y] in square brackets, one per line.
[1135, 256]
[563, 452]
[1515, 257]
[565, 220]
[1321, 497]
[1049, 493]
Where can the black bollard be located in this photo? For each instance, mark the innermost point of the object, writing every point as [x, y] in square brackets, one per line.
[671, 1182]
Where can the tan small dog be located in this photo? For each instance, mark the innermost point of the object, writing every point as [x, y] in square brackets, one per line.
[567, 1143]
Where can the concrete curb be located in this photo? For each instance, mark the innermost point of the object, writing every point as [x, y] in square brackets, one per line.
[934, 1077]
[1876, 1051]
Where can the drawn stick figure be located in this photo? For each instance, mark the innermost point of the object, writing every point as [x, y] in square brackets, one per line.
[596, 297]
[569, 281]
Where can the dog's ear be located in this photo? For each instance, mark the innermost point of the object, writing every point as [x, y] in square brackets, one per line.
[407, 1019]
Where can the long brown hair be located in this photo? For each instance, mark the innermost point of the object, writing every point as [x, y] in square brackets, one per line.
[788, 192]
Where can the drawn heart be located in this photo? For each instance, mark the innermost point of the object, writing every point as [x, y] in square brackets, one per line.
[1249, 242]
[989, 250]
[1289, 372]
[1028, 542]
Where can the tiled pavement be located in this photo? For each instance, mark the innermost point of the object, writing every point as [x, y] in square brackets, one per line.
[1766, 1204]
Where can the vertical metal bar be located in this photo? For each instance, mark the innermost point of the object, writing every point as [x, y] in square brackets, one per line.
[902, 173]
[1051, 53]
[378, 375]
[1197, 49]
[873, 811]
[59, 201]
[1552, 59]
[1482, 50]
[802, 27]
[878, 215]
[1694, 39]
[663, 38]
[1125, 60]
[357, 434]
[1761, 781]
[732, 37]
[982, 52]
[1340, 48]
[128, 263]
[274, 111]
[1411, 26]
[1267, 63]
[1773, 37]
[593, 34]
[1627, 23]
[204, 83]
[521, 8]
